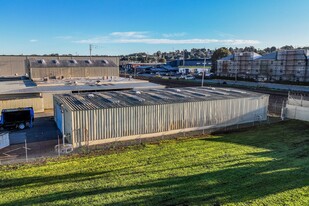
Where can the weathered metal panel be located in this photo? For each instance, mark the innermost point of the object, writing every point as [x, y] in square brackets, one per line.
[36, 103]
[120, 122]
[72, 72]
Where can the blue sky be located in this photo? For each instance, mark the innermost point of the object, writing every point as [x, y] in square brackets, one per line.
[126, 26]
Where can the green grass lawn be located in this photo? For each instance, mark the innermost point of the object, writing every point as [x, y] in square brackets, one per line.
[266, 165]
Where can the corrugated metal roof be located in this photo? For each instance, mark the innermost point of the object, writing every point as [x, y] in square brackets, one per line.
[89, 101]
[42, 63]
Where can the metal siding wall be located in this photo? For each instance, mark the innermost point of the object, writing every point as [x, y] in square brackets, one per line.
[10, 65]
[36, 103]
[67, 72]
[128, 121]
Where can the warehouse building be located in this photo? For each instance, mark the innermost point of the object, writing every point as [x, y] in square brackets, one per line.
[95, 118]
[15, 65]
[39, 95]
[41, 69]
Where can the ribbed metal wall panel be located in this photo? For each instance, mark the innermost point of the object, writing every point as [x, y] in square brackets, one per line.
[68, 72]
[36, 103]
[120, 122]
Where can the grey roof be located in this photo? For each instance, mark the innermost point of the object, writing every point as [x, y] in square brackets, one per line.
[114, 99]
[19, 89]
[256, 55]
[270, 56]
[229, 57]
[41, 63]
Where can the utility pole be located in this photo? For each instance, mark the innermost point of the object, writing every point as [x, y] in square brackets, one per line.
[184, 57]
[90, 49]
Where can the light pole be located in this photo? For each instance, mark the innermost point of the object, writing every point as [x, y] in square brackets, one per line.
[203, 73]
[62, 122]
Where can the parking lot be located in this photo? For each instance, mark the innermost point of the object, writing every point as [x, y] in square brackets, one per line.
[43, 129]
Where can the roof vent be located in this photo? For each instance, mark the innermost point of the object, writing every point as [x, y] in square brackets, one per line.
[55, 61]
[41, 61]
[73, 61]
[88, 61]
[104, 61]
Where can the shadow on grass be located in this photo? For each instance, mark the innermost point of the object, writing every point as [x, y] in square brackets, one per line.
[241, 182]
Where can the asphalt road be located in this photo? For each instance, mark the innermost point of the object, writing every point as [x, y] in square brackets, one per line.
[44, 128]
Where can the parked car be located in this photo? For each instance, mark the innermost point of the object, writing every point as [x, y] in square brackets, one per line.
[189, 77]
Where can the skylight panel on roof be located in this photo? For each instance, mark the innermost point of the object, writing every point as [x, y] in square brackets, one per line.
[158, 95]
[197, 93]
[134, 97]
[178, 94]
[109, 98]
[234, 90]
[82, 100]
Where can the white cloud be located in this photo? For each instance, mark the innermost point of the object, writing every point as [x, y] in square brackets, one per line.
[95, 40]
[189, 41]
[33, 40]
[169, 35]
[63, 37]
[130, 34]
[140, 37]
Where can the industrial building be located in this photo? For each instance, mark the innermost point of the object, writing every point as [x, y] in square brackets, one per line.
[44, 69]
[15, 65]
[39, 95]
[94, 118]
[282, 65]
[49, 75]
